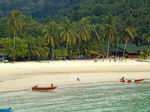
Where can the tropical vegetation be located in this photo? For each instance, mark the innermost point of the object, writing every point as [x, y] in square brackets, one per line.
[71, 29]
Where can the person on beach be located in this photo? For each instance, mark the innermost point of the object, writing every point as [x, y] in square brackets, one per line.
[78, 79]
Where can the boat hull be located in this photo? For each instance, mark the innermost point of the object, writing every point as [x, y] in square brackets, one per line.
[43, 88]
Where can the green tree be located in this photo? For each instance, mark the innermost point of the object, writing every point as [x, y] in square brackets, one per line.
[68, 35]
[37, 48]
[129, 34]
[147, 39]
[50, 33]
[20, 51]
[110, 30]
[15, 23]
[84, 32]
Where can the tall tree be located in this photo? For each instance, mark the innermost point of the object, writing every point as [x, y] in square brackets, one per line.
[68, 35]
[50, 32]
[129, 34]
[15, 23]
[110, 30]
[84, 32]
[147, 39]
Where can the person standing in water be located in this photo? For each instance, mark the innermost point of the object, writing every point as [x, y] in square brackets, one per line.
[122, 79]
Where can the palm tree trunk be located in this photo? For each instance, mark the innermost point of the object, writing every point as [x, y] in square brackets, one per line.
[52, 51]
[107, 49]
[66, 51]
[148, 48]
[14, 52]
[116, 48]
[125, 46]
[29, 56]
[78, 51]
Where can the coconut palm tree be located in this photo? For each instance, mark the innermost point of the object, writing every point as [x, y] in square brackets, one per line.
[15, 23]
[37, 48]
[84, 32]
[50, 32]
[147, 39]
[109, 34]
[68, 35]
[110, 30]
[98, 30]
[129, 34]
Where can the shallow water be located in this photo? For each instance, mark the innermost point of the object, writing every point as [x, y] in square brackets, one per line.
[82, 98]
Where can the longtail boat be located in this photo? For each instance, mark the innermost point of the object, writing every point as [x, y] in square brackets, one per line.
[36, 88]
[132, 81]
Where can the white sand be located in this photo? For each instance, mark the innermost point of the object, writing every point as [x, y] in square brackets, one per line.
[23, 75]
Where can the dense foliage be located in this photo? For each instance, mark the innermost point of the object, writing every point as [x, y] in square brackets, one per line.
[48, 29]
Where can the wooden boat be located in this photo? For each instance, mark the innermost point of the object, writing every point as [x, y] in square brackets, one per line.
[132, 81]
[43, 88]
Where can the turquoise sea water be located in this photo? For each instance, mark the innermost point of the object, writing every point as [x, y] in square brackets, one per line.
[96, 97]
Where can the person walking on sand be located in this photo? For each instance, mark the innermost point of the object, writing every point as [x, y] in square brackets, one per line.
[78, 79]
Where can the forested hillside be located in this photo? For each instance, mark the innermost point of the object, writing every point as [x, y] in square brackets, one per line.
[45, 29]
[42, 9]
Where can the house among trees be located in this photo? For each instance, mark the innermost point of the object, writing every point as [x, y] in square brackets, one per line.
[131, 51]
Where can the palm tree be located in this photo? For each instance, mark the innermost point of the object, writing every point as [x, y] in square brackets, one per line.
[110, 30]
[49, 31]
[109, 34]
[84, 32]
[68, 35]
[128, 35]
[98, 30]
[37, 47]
[15, 23]
[147, 39]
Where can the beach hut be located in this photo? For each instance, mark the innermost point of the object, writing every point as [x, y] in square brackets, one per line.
[132, 51]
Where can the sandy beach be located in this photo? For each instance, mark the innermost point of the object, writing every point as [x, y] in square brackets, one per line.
[24, 75]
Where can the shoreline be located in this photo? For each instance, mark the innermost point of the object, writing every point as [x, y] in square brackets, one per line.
[23, 75]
